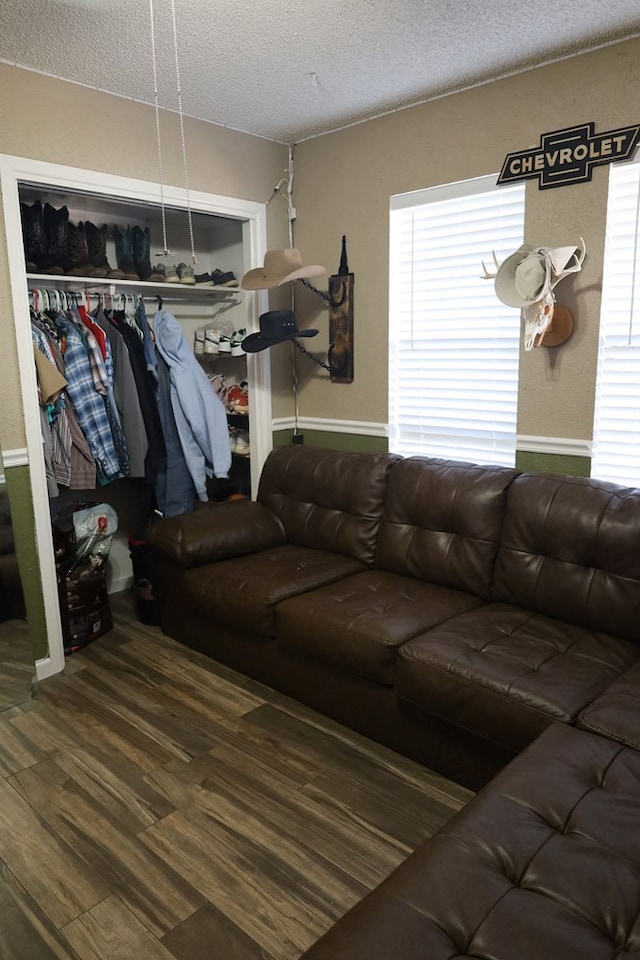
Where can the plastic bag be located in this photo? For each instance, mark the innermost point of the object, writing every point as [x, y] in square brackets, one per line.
[94, 528]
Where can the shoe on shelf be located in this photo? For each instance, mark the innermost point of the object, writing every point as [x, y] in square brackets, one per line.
[224, 343]
[236, 342]
[211, 344]
[222, 279]
[185, 274]
[238, 398]
[123, 240]
[172, 275]
[219, 384]
[198, 345]
[203, 279]
[141, 248]
[242, 448]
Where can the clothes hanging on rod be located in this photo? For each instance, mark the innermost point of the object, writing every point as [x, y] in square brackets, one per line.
[65, 446]
[87, 391]
[145, 385]
[126, 395]
[126, 410]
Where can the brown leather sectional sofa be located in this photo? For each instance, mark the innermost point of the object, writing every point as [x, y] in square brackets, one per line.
[458, 614]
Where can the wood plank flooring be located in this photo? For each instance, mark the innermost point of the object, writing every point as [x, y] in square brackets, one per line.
[17, 669]
[155, 805]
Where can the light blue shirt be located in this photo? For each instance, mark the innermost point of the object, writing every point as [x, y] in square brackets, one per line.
[200, 415]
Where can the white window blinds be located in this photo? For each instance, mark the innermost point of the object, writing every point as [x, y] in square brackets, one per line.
[453, 347]
[616, 446]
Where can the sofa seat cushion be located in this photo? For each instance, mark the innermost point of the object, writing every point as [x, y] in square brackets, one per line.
[616, 712]
[543, 863]
[244, 591]
[359, 623]
[507, 673]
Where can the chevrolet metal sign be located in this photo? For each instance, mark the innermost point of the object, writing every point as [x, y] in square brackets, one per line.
[569, 156]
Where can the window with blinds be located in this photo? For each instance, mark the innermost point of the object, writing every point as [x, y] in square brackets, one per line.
[616, 442]
[453, 346]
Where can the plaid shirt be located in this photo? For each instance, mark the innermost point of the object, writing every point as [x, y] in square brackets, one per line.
[89, 406]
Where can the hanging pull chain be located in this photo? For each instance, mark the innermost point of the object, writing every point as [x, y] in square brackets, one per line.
[165, 252]
[182, 137]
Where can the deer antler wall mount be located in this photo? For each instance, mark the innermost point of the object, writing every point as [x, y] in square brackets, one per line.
[528, 278]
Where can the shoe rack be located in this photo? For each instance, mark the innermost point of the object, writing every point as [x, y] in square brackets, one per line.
[229, 235]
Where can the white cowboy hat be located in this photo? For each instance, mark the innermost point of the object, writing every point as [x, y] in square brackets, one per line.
[531, 273]
[280, 266]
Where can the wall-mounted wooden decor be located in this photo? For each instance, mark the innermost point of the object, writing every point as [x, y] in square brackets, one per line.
[341, 322]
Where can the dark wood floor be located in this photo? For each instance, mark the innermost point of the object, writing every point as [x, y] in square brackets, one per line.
[156, 806]
[17, 670]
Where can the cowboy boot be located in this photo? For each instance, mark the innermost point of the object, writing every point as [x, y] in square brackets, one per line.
[56, 229]
[78, 251]
[141, 247]
[33, 236]
[97, 248]
[124, 252]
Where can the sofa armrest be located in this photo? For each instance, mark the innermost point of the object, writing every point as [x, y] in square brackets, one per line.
[216, 532]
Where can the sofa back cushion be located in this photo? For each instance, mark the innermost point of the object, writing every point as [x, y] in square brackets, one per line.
[327, 499]
[442, 522]
[570, 549]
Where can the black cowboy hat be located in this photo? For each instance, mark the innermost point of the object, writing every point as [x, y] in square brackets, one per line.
[276, 326]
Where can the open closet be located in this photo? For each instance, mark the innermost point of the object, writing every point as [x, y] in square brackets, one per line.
[228, 237]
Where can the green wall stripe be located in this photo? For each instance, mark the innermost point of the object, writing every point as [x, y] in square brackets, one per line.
[553, 463]
[24, 533]
[349, 442]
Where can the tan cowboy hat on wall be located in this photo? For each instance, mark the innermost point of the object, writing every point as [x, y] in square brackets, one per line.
[280, 266]
[531, 273]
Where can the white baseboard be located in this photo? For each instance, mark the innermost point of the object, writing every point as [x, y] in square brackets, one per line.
[363, 428]
[15, 458]
[123, 582]
[46, 668]
[554, 445]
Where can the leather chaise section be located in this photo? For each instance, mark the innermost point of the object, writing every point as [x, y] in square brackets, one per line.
[543, 863]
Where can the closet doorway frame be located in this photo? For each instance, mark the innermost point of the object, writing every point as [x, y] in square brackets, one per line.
[21, 171]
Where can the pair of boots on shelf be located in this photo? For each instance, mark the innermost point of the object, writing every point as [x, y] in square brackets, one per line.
[54, 245]
[133, 249]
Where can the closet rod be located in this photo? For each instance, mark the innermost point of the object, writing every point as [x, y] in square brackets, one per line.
[170, 298]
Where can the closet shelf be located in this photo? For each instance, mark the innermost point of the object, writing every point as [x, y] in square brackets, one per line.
[48, 281]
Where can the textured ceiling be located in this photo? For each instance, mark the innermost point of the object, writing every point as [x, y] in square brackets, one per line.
[291, 69]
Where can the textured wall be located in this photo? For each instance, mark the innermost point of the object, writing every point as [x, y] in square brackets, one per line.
[344, 181]
[60, 122]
